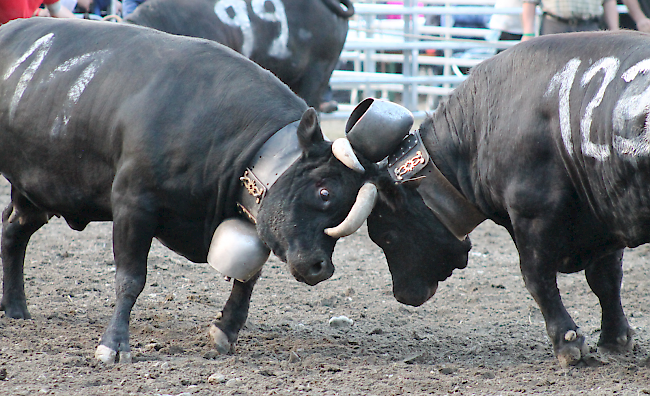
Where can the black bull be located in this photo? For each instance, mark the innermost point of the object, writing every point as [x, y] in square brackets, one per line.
[561, 161]
[551, 140]
[102, 122]
[300, 41]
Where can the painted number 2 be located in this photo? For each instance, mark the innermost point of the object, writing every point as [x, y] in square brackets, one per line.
[235, 13]
[633, 103]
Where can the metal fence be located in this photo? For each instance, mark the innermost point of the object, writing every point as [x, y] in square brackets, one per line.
[394, 51]
[412, 53]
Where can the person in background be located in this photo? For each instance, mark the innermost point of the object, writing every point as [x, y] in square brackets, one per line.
[70, 4]
[573, 16]
[563, 16]
[328, 104]
[508, 24]
[128, 6]
[15, 9]
[100, 8]
[636, 16]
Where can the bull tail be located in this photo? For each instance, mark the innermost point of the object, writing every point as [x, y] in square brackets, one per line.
[342, 8]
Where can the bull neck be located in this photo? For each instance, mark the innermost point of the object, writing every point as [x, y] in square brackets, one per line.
[442, 188]
[268, 164]
[441, 141]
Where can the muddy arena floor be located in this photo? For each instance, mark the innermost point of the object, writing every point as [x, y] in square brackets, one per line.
[481, 334]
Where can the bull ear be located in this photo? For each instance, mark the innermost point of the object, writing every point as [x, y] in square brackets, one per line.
[309, 132]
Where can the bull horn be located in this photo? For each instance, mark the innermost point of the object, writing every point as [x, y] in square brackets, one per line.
[342, 150]
[360, 211]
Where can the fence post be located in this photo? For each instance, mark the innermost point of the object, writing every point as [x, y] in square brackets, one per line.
[409, 69]
[447, 53]
[369, 65]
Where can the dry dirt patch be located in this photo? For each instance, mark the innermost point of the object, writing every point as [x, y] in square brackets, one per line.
[480, 334]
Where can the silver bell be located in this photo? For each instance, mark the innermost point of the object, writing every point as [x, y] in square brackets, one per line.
[236, 250]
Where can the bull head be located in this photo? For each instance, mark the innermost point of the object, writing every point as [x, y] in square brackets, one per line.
[314, 193]
[377, 129]
[295, 178]
[421, 226]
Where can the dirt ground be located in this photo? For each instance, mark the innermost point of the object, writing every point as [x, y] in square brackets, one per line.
[480, 334]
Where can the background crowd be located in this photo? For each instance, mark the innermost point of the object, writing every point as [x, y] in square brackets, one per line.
[558, 16]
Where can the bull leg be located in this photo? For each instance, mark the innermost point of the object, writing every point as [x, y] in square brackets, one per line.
[314, 82]
[567, 340]
[541, 253]
[225, 329]
[539, 267]
[133, 231]
[605, 277]
[20, 220]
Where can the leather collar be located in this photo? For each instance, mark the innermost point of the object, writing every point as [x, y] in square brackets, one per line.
[411, 162]
[270, 162]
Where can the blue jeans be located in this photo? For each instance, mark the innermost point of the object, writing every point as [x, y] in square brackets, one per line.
[128, 6]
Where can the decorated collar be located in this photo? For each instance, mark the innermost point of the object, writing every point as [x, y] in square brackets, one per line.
[411, 162]
[271, 161]
[408, 159]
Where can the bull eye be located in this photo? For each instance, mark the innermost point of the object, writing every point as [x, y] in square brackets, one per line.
[324, 194]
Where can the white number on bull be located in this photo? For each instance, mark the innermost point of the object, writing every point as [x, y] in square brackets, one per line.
[633, 103]
[278, 47]
[235, 13]
[96, 59]
[609, 65]
[41, 47]
[563, 81]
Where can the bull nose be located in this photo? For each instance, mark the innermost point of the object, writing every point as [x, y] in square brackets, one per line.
[318, 272]
[414, 296]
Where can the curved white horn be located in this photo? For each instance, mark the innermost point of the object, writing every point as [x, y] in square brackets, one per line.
[360, 211]
[342, 150]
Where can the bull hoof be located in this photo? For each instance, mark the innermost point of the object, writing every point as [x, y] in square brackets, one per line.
[16, 311]
[623, 343]
[220, 339]
[108, 356]
[572, 350]
[125, 357]
[569, 356]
